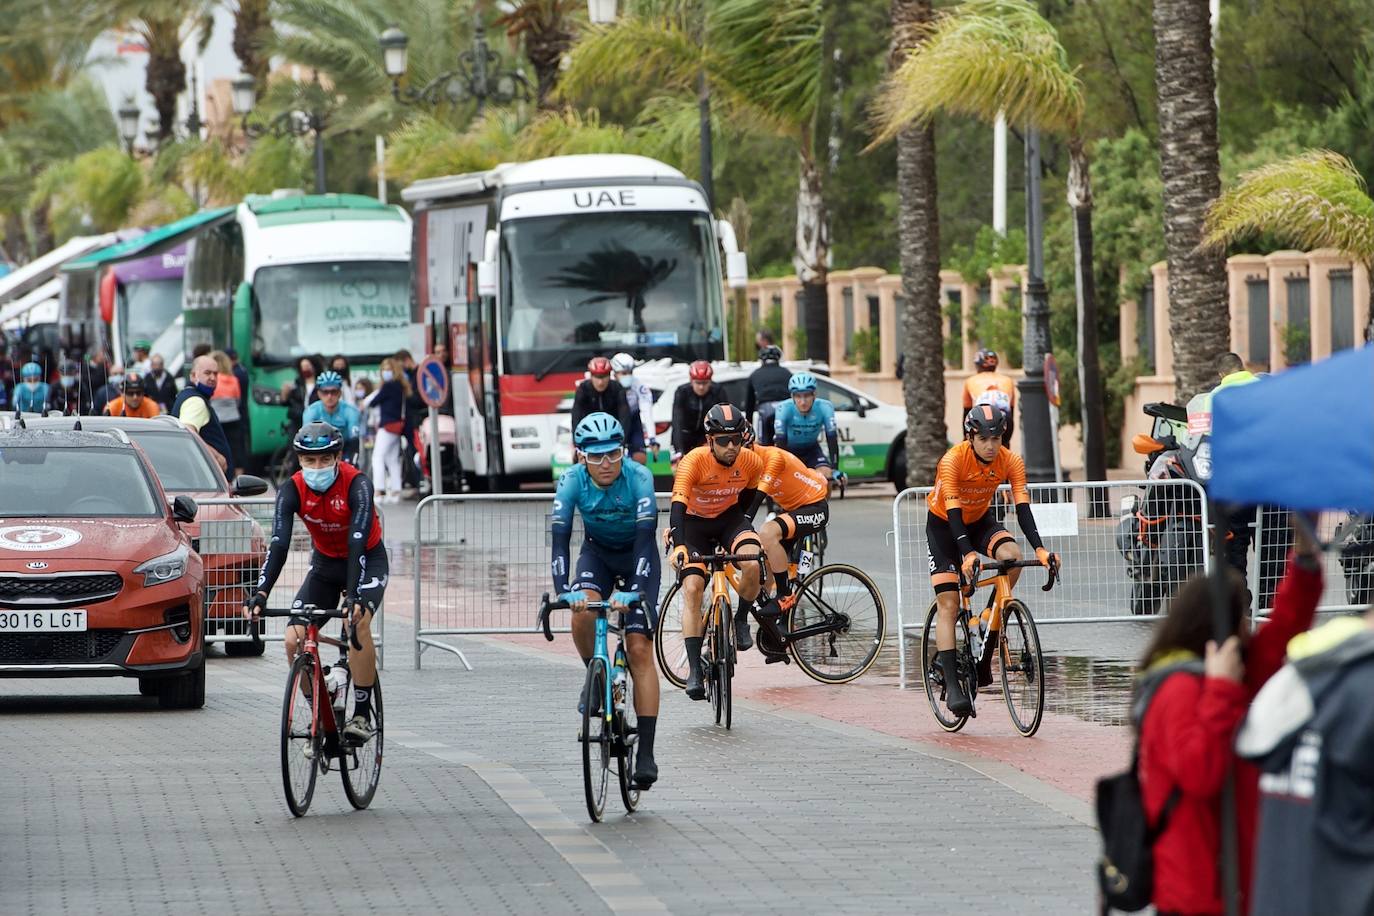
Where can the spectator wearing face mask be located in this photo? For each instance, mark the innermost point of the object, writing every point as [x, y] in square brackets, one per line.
[192, 407]
[113, 387]
[66, 395]
[32, 393]
[390, 401]
[159, 384]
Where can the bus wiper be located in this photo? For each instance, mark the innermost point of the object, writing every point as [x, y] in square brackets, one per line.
[550, 365]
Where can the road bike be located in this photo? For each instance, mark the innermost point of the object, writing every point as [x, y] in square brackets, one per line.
[608, 717]
[1020, 658]
[718, 652]
[314, 711]
[833, 626]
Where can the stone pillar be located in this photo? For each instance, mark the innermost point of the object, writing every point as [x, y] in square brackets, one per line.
[1239, 271]
[1320, 263]
[888, 287]
[834, 295]
[1128, 333]
[1164, 346]
[1282, 265]
[1359, 289]
[788, 287]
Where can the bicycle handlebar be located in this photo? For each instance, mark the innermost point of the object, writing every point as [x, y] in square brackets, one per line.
[969, 586]
[546, 607]
[315, 613]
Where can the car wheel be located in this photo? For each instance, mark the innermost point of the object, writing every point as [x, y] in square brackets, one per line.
[897, 468]
[184, 692]
[148, 686]
[253, 649]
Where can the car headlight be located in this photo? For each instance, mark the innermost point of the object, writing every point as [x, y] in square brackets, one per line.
[166, 568]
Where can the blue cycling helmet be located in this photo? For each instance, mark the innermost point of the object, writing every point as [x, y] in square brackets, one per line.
[801, 382]
[599, 432]
[31, 370]
[318, 438]
[330, 379]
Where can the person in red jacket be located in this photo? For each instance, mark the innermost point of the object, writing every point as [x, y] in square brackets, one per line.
[1187, 733]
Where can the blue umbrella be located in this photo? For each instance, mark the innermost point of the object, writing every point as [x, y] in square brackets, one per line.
[1303, 438]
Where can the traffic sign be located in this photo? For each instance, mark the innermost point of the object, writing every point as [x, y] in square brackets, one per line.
[433, 379]
[1052, 379]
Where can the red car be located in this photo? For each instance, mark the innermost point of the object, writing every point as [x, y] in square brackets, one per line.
[228, 538]
[97, 574]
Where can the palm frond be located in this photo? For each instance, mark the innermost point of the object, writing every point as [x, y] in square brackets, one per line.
[1313, 200]
[565, 133]
[981, 58]
[768, 54]
[658, 52]
[426, 146]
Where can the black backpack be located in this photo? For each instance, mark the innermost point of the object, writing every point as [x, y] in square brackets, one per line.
[1125, 873]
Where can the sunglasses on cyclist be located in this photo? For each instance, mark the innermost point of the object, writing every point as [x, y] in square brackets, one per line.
[728, 439]
[599, 459]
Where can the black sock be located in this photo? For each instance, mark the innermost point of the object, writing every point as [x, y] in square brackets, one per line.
[782, 585]
[693, 644]
[646, 727]
[742, 610]
[362, 701]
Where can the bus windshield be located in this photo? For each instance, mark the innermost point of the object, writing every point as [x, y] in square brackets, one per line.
[150, 307]
[358, 308]
[581, 284]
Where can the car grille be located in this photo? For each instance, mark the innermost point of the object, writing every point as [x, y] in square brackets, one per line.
[91, 646]
[58, 590]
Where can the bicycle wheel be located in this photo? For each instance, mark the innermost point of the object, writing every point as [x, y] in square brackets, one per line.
[596, 741]
[300, 739]
[1023, 668]
[628, 741]
[362, 766]
[934, 676]
[668, 646]
[845, 601]
[725, 664]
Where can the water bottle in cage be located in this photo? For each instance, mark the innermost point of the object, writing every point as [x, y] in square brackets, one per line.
[804, 560]
[337, 682]
[975, 639]
[618, 681]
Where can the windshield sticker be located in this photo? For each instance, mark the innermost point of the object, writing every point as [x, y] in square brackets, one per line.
[29, 538]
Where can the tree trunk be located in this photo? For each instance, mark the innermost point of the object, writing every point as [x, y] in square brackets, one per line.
[252, 29]
[918, 227]
[812, 256]
[1089, 368]
[545, 44]
[166, 76]
[1199, 321]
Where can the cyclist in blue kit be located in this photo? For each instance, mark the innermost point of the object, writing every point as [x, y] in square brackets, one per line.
[619, 558]
[799, 423]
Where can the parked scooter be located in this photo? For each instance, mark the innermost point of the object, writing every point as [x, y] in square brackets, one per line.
[1160, 532]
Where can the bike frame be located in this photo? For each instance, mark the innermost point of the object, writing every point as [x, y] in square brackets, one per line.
[1001, 596]
[603, 628]
[319, 723]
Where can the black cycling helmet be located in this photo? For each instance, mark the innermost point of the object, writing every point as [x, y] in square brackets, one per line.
[770, 354]
[985, 420]
[318, 438]
[133, 384]
[725, 419]
[985, 360]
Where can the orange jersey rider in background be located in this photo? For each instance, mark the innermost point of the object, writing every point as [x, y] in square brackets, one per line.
[988, 386]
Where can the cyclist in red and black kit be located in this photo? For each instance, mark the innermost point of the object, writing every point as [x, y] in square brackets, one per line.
[335, 501]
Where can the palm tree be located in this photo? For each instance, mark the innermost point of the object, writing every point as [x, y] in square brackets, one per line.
[762, 60]
[990, 57]
[544, 26]
[918, 226]
[1313, 200]
[1199, 323]
[252, 35]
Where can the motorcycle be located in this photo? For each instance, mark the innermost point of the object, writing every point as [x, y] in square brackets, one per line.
[1160, 532]
[1355, 539]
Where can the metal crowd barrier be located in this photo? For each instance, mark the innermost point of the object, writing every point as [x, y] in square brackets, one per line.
[1348, 587]
[480, 563]
[232, 543]
[1092, 526]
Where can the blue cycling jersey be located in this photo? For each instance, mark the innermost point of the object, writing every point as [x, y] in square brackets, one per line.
[798, 429]
[347, 420]
[31, 400]
[610, 515]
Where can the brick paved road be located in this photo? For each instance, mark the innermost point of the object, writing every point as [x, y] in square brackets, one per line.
[114, 806]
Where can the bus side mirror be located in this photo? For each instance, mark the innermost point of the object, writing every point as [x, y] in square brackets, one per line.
[487, 278]
[736, 261]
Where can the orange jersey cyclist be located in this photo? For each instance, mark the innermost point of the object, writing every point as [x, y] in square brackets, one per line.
[711, 488]
[800, 495]
[959, 527]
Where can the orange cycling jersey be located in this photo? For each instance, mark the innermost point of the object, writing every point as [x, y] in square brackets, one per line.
[707, 488]
[982, 382]
[963, 482]
[787, 480]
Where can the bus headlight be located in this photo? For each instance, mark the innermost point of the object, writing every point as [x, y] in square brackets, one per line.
[268, 396]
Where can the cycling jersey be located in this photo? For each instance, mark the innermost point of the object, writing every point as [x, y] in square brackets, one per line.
[342, 522]
[787, 481]
[705, 488]
[347, 419]
[990, 388]
[798, 432]
[964, 482]
[617, 519]
[32, 400]
[641, 399]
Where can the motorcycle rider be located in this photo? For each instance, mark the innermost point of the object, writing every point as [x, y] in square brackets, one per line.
[641, 431]
[767, 386]
[691, 403]
[1231, 372]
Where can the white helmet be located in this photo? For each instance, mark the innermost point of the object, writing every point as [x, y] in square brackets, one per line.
[623, 362]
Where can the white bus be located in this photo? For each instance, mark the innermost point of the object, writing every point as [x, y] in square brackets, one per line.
[530, 269]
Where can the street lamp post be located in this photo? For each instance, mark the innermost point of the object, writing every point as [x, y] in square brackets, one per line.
[478, 75]
[1038, 444]
[128, 123]
[294, 123]
[603, 12]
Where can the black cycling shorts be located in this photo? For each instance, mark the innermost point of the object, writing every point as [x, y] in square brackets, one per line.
[801, 521]
[326, 583]
[703, 535]
[944, 554]
[601, 569]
